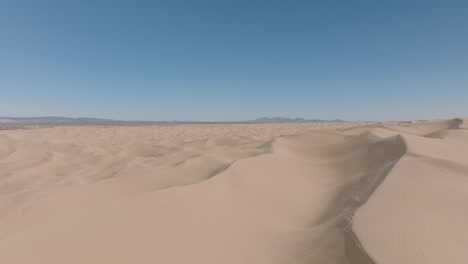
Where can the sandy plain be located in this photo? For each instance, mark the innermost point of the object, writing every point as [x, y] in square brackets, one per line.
[236, 193]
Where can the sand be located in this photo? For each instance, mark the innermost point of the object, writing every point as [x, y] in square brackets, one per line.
[241, 193]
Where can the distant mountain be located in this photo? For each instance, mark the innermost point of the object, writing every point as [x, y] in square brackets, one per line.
[87, 120]
[294, 120]
[55, 119]
[2, 120]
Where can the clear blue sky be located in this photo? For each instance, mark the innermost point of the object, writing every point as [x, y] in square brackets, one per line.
[234, 60]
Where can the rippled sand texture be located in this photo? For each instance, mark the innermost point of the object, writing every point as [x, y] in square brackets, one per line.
[252, 193]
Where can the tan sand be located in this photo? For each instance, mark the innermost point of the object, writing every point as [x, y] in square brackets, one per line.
[255, 193]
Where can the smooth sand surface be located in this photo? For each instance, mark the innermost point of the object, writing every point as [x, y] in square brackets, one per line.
[240, 193]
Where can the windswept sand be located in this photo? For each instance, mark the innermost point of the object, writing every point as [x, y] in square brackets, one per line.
[221, 194]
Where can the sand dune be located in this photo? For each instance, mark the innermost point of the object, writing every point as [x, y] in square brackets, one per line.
[242, 193]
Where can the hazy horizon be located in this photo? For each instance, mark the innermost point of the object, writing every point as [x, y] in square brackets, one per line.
[234, 60]
[85, 118]
[230, 120]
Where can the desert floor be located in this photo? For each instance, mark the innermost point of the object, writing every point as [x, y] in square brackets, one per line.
[235, 193]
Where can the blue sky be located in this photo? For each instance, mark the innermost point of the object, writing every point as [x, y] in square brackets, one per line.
[234, 60]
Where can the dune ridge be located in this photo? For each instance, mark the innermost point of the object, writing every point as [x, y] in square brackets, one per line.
[244, 193]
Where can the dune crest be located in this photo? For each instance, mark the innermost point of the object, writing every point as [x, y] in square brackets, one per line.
[256, 193]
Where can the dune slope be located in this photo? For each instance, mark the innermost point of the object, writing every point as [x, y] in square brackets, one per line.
[263, 193]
